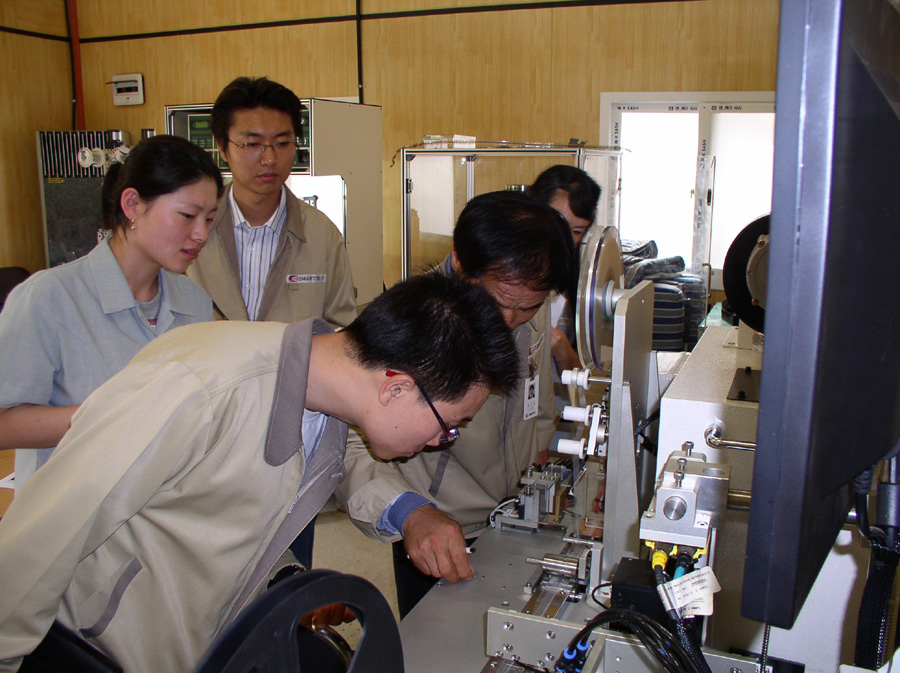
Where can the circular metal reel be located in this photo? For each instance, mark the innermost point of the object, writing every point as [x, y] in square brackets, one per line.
[600, 278]
[744, 273]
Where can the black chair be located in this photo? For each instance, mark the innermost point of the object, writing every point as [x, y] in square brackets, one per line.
[63, 651]
[10, 276]
[266, 636]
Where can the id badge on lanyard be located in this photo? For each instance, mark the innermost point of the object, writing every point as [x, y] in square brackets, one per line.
[531, 390]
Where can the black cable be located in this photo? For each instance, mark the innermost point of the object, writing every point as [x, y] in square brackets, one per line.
[873, 622]
[643, 425]
[647, 444]
[656, 638]
[594, 594]
[684, 561]
[643, 439]
[692, 649]
[862, 486]
[659, 573]
[872, 625]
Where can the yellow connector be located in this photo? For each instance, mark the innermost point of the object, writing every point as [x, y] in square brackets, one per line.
[659, 559]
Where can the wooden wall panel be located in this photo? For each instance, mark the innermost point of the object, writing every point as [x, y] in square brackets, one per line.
[38, 16]
[466, 73]
[693, 46]
[313, 60]
[525, 74]
[35, 94]
[536, 75]
[129, 17]
[472, 74]
[383, 6]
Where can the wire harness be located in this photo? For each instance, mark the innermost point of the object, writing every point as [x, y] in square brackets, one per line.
[658, 640]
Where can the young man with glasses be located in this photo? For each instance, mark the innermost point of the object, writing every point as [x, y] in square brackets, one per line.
[518, 250]
[168, 505]
[270, 256]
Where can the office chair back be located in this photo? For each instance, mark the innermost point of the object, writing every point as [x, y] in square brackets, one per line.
[264, 637]
[63, 651]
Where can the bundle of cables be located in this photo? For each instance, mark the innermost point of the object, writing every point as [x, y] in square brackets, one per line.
[681, 654]
[684, 559]
[505, 508]
[658, 640]
[873, 645]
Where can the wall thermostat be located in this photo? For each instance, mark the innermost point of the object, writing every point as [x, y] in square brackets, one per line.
[128, 89]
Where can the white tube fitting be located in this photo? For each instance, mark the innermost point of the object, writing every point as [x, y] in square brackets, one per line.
[577, 414]
[571, 447]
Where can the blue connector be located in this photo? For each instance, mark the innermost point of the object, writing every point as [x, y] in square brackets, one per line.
[583, 647]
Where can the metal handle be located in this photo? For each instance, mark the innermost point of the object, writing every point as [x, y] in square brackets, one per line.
[713, 437]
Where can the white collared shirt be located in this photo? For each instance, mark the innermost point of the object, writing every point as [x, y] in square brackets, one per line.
[256, 249]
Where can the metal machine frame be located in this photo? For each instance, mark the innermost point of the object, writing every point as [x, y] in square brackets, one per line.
[525, 616]
[602, 163]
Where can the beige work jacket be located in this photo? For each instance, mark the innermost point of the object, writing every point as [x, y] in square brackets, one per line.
[163, 510]
[482, 467]
[309, 278]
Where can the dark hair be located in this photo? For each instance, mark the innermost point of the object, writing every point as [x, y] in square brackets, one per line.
[446, 333]
[155, 166]
[513, 236]
[246, 93]
[582, 190]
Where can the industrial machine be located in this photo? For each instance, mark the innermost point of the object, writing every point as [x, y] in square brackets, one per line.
[574, 540]
[72, 165]
[663, 468]
[703, 520]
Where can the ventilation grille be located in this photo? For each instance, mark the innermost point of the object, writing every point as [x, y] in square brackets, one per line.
[59, 153]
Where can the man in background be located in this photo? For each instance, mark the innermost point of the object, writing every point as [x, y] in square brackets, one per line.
[519, 250]
[270, 256]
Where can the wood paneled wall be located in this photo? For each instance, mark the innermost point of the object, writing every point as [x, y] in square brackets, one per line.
[536, 75]
[38, 16]
[525, 74]
[195, 68]
[102, 18]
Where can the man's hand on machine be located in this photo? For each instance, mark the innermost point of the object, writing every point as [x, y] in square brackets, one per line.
[436, 545]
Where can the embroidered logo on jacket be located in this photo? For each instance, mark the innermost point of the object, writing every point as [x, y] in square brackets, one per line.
[305, 278]
[535, 346]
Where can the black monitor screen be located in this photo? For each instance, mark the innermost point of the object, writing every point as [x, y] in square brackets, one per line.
[830, 395]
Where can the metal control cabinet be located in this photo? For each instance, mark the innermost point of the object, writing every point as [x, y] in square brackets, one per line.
[70, 193]
[437, 183]
[337, 139]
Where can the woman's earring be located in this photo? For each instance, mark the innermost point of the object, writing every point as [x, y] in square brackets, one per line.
[132, 225]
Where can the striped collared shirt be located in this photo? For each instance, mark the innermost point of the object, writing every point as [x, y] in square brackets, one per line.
[256, 248]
